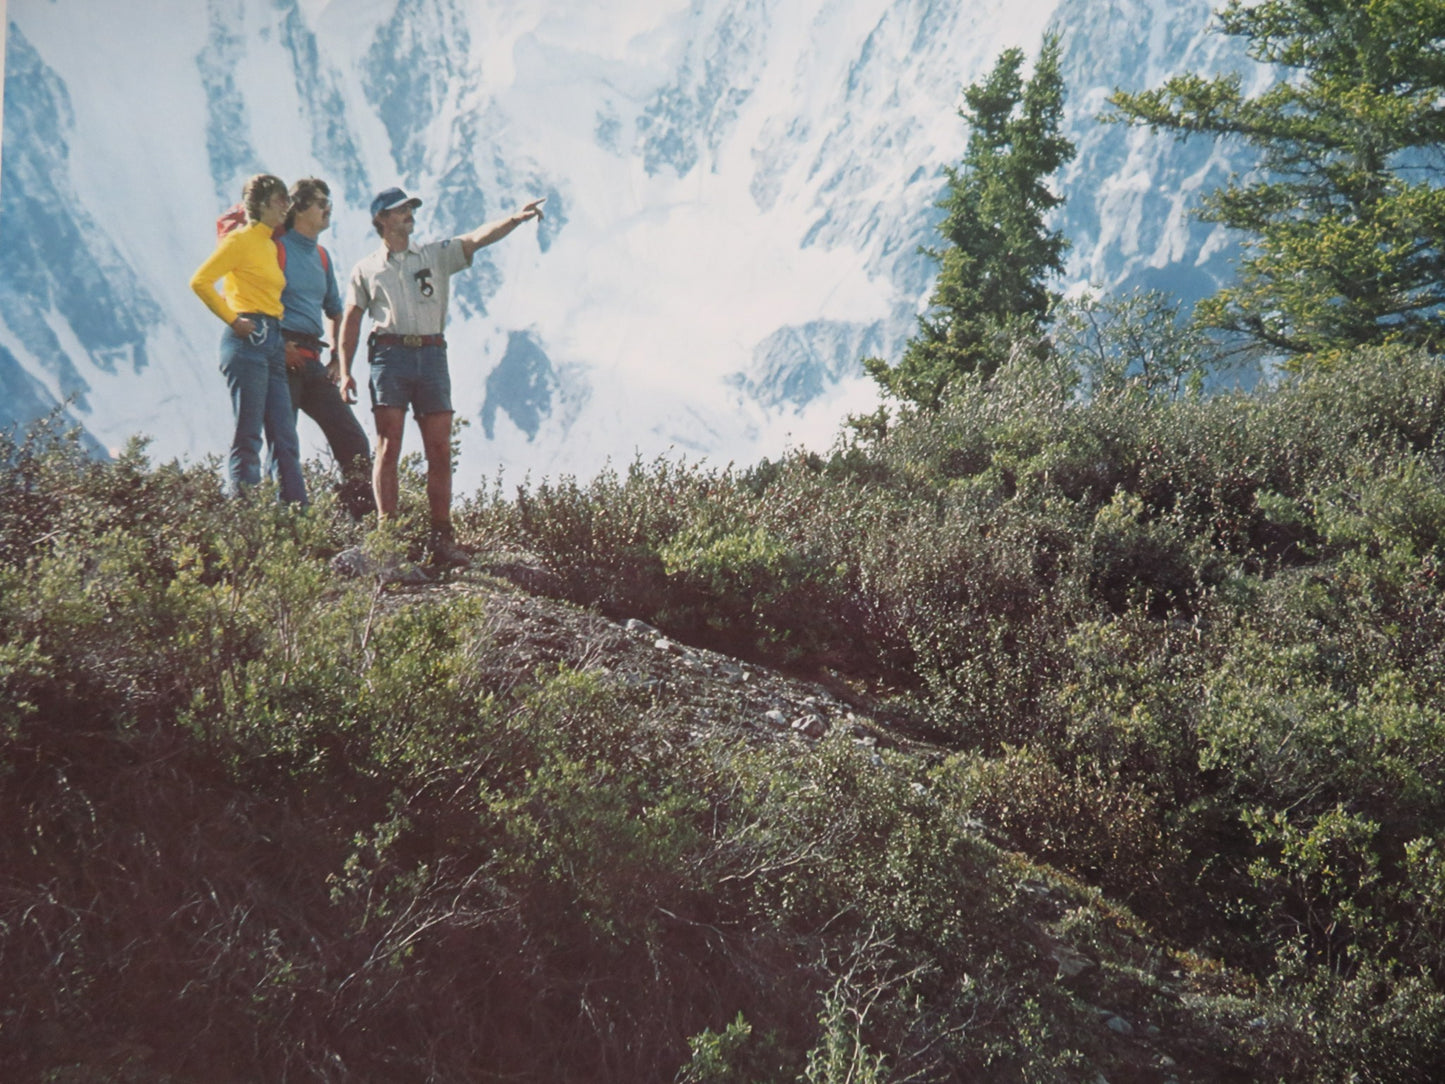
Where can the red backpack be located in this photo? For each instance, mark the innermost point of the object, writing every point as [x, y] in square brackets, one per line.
[234, 217]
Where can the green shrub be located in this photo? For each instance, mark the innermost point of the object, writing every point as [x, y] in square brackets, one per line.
[603, 539]
[733, 1056]
[1188, 651]
[1138, 561]
[842, 1057]
[1099, 827]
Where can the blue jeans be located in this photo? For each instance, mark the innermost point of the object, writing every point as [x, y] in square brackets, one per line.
[255, 370]
[313, 393]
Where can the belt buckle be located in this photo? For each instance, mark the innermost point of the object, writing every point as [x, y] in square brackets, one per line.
[413, 341]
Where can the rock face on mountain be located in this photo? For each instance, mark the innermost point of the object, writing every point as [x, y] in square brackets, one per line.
[64, 313]
[737, 192]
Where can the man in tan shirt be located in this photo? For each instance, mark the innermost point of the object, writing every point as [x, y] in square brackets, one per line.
[403, 287]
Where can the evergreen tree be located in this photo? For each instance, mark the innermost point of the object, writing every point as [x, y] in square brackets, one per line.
[999, 253]
[1345, 220]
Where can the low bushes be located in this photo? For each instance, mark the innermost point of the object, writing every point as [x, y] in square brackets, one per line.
[260, 823]
[1188, 646]
[1180, 661]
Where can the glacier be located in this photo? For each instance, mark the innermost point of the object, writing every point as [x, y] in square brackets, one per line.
[737, 192]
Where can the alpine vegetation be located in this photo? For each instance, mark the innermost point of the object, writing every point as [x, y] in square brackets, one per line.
[1073, 717]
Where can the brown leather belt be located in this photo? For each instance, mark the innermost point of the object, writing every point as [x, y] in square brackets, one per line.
[412, 341]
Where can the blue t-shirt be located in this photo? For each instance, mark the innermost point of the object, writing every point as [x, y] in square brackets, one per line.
[310, 286]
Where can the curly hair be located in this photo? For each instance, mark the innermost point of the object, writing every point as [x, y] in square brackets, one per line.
[259, 191]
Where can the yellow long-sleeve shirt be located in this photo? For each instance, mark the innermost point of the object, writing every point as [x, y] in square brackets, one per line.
[246, 260]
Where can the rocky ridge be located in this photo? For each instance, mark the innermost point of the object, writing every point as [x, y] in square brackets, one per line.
[702, 694]
[703, 688]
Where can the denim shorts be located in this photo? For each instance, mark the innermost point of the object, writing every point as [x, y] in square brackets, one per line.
[414, 376]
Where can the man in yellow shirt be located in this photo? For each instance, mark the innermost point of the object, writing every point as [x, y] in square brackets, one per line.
[253, 356]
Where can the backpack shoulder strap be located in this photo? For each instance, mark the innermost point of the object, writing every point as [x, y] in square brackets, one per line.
[276, 235]
[230, 220]
[281, 253]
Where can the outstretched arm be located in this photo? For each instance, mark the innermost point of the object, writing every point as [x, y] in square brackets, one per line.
[492, 232]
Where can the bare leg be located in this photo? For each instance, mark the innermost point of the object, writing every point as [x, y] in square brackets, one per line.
[390, 424]
[436, 438]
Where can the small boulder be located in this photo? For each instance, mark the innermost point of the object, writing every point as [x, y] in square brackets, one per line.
[810, 726]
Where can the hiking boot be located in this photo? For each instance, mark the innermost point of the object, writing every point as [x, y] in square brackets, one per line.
[356, 498]
[443, 551]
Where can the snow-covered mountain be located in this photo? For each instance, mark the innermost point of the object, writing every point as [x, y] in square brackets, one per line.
[737, 190]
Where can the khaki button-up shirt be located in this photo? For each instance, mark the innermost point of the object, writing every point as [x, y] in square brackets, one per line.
[406, 293]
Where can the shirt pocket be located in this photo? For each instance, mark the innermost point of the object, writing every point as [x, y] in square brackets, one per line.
[426, 284]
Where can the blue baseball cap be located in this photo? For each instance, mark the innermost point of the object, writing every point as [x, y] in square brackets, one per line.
[390, 198]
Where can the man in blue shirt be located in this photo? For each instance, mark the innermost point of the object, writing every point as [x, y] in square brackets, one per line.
[313, 306]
